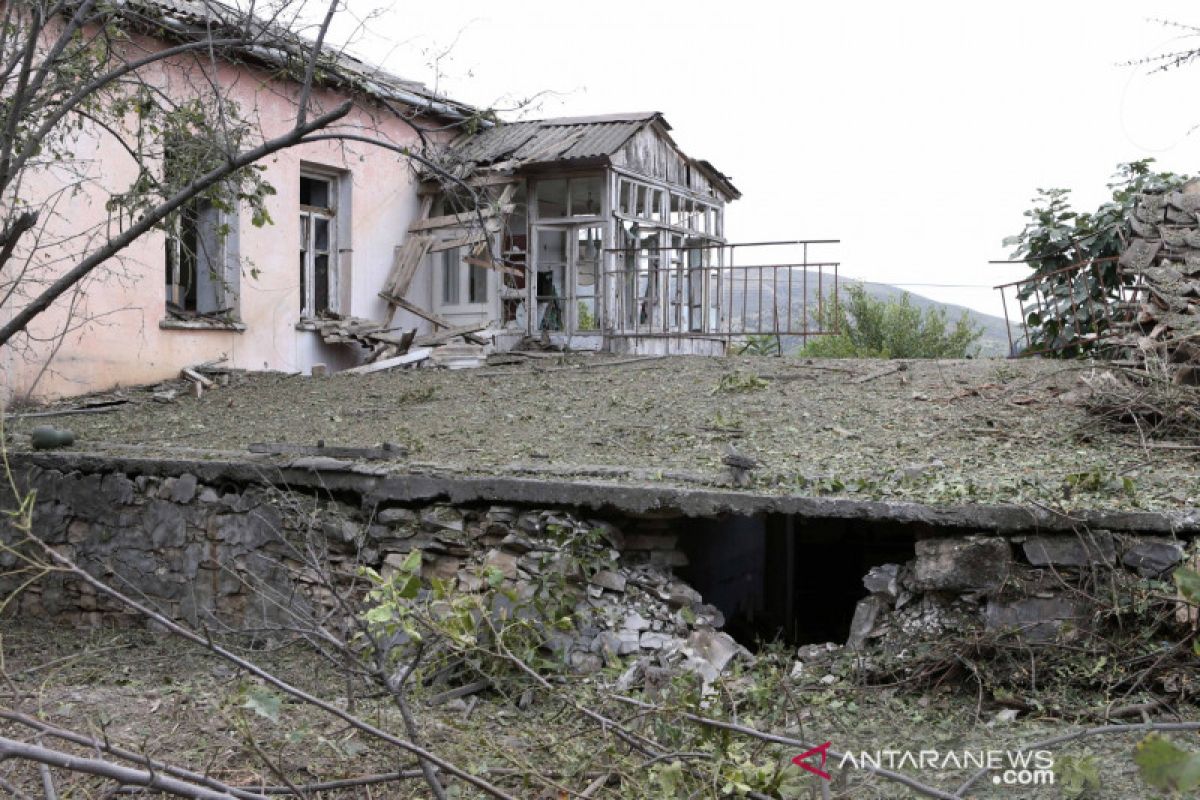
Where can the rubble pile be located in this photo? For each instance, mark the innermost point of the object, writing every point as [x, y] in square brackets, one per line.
[1031, 586]
[628, 602]
[1164, 255]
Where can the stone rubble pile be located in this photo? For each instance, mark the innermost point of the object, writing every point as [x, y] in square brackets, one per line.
[629, 602]
[1027, 585]
[1164, 256]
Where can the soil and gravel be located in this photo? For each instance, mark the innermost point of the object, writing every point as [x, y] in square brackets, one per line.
[152, 694]
[941, 432]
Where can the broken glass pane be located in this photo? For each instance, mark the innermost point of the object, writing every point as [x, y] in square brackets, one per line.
[552, 198]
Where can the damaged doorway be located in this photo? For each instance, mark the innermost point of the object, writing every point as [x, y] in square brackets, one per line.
[567, 272]
[785, 578]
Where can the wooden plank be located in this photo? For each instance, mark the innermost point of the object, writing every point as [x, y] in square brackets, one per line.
[195, 377]
[420, 312]
[411, 357]
[407, 258]
[466, 218]
[445, 336]
[479, 181]
[386, 452]
[462, 241]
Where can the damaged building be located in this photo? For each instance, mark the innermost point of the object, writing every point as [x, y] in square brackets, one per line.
[594, 233]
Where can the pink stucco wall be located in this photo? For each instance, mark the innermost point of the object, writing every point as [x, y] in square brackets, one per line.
[124, 345]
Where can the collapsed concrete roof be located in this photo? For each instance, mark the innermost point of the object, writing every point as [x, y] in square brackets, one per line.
[940, 442]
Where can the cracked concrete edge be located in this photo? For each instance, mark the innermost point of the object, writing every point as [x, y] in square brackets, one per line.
[382, 484]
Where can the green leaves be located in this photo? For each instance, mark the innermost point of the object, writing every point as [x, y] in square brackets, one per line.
[1062, 307]
[1077, 777]
[869, 327]
[1165, 766]
[1188, 583]
[263, 702]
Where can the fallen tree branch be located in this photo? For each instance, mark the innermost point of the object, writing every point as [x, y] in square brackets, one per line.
[45, 728]
[267, 677]
[773, 738]
[11, 748]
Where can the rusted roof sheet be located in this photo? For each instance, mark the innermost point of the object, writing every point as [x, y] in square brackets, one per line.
[546, 140]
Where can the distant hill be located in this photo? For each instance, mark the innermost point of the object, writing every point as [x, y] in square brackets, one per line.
[995, 334]
[994, 341]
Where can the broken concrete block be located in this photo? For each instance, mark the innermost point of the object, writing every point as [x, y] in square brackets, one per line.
[1153, 557]
[1089, 548]
[680, 594]
[972, 563]
[717, 648]
[866, 618]
[883, 579]
[1038, 619]
[607, 579]
[707, 672]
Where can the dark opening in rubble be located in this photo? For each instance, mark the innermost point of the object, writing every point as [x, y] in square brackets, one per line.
[789, 579]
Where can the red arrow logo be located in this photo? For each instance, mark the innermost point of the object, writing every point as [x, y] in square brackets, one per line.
[800, 760]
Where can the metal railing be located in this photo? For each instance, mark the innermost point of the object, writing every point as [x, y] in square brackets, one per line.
[701, 290]
[1071, 308]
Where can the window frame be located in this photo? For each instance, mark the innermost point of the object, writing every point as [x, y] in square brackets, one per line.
[210, 296]
[309, 216]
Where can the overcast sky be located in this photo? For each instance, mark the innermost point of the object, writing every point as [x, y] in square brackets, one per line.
[914, 132]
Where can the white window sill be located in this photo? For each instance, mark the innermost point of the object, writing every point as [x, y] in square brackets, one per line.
[200, 324]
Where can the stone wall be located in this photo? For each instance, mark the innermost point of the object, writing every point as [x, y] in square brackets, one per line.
[233, 558]
[1034, 586]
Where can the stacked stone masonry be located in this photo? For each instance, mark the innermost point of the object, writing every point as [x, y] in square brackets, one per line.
[238, 558]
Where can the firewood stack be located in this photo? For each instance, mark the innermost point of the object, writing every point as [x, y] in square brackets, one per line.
[1163, 325]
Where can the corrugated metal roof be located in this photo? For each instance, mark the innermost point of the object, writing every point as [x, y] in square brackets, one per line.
[547, 140]
[275, 42]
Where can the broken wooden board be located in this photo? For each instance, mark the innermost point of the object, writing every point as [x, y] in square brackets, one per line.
[387, 451]
[465, 218]
[473, 238]
[434, 339]
[411, 357]
[441, 322]
[406, 259]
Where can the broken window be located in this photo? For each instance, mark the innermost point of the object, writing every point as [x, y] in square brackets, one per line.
[463, 280]
[552, 198]
[625, 190]
[589, 246]
[587, 195]
[551, 284]
[201, 262]
[560, 198]
[318, 270]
